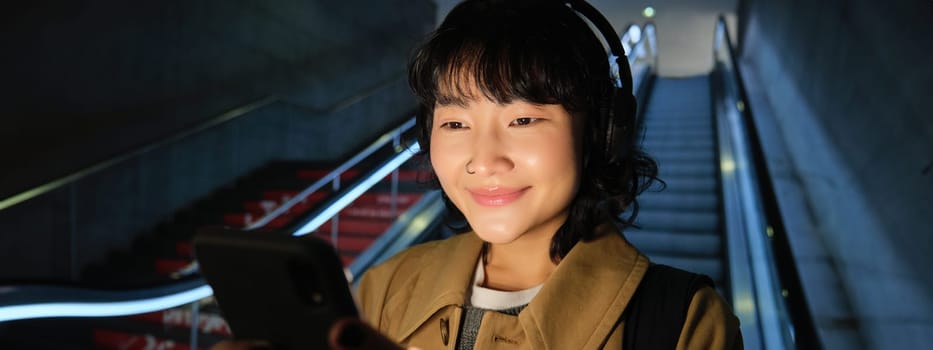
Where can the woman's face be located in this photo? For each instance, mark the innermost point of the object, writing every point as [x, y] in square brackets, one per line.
[510, 168]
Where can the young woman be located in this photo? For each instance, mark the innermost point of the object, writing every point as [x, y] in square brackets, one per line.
[528, 133]
[516, 95]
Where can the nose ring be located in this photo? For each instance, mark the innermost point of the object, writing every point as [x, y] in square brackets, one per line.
[471, 172]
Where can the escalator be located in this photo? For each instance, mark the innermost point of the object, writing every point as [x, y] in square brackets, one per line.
[682, 225]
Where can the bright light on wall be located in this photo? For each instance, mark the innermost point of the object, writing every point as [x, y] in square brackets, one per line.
[648, 12]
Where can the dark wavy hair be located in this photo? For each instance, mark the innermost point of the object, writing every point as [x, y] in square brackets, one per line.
[541, 52]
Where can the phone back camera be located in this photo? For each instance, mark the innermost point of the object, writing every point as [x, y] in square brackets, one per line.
[304, 280]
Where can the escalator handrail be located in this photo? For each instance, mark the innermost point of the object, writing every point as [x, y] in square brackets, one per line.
[214, 122]
[309, 223]
[800, 327]
[394, 134]
[40, 301]
[641, 45]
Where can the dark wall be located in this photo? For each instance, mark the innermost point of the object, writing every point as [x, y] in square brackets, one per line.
[85, 80]
[88, 80]
[850, 85]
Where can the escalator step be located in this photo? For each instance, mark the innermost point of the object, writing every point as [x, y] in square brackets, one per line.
[679, 135]
[692, 155]
[658, 123]
[312, 175]
[678, 221]
[284, 195]
[110, 339]
[658, 120]
[362, 226]
[688, 184]
[668, 200]
[180, 317]
[706, 245]
[353, 244]
[687, 169]
[405, 199]
[676, 145]
[371, 211]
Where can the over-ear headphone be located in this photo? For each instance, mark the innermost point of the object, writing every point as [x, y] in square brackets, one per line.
[617, 113]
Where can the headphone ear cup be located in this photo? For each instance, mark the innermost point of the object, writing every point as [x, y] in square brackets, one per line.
[619, 118]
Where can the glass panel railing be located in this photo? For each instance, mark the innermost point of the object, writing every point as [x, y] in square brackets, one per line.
[762, 294]
[421, 222]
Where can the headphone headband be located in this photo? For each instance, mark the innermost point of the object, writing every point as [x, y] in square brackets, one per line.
[617, 112]
[624, 77]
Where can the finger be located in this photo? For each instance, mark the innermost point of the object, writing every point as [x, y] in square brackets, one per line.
[351, 334]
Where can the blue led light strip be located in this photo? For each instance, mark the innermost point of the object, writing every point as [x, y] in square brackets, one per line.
[358, 190]
[99, 309]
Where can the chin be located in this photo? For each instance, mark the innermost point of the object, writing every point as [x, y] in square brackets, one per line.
[495, 235]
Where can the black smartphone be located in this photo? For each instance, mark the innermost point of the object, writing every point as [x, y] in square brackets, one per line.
[275, 287]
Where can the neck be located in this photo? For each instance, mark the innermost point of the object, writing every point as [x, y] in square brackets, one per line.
[520, 264]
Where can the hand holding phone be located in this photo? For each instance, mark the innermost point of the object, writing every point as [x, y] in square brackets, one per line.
[271, 286]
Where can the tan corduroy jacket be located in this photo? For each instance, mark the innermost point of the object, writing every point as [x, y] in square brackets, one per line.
[416, 299]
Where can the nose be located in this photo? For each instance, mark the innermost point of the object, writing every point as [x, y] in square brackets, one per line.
[490, 155]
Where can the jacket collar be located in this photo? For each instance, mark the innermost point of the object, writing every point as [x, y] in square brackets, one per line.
[446, 275]
[584, 297]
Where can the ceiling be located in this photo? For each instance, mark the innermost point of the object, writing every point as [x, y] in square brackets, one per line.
[684, 28]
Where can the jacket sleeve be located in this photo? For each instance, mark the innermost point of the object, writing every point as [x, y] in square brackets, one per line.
[710, 324]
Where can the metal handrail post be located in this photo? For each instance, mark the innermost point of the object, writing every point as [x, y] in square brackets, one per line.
[335, 221]
[396, 142]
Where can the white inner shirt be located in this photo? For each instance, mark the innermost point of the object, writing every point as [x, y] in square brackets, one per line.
[492, 299]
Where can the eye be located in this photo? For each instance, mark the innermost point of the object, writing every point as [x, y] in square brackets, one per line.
[452, 125]
[523, 121]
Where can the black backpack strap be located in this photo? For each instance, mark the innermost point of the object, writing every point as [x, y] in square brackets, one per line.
[656, 314]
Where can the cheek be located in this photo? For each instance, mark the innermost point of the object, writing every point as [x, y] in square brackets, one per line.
[556, 155]
[443, 161]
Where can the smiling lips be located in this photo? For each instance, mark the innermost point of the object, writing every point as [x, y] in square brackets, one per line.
[496, 196]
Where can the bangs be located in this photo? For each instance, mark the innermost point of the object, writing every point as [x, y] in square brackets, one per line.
[499, 73]
[516, 57]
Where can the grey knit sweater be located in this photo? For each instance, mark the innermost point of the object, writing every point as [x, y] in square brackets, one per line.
[469, 325]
